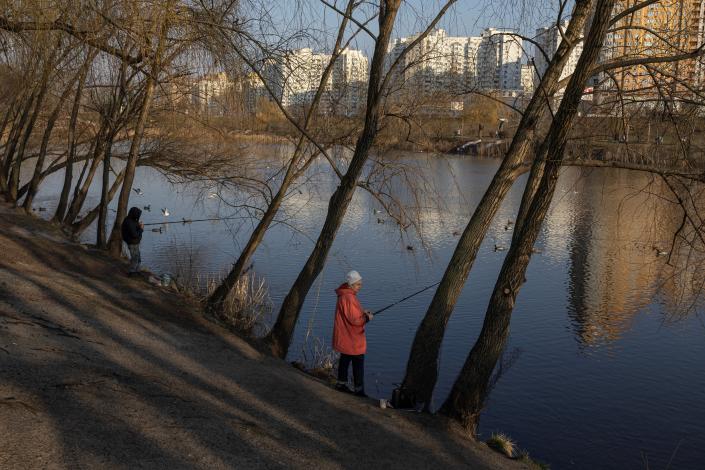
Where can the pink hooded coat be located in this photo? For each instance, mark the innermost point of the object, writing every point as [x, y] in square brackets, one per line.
[349, 326]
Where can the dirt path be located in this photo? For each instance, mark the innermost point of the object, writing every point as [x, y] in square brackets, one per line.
[98, 370]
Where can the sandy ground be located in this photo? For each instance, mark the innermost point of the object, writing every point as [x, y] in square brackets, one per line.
[101, 371]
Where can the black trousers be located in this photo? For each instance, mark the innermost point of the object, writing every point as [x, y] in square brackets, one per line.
[358, 367]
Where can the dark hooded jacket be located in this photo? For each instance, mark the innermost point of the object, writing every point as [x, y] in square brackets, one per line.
[131, 230]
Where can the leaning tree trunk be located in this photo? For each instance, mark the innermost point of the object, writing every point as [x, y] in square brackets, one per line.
[81, 190]
[115, 243]
[13, 140]
[217, 299]
[532, 185]
[33, 184]
[17, 121]
[468, 393]
[60, 212]
[9, 114]
[80, 226]
[422, 367]
[101, 240]
[14, 183]
[12, 118]
[280, 336]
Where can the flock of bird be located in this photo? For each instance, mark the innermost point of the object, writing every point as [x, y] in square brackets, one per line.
[148, 207]
[497, 246]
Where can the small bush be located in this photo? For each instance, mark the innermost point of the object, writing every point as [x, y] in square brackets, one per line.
[321, 359]
[502, 443]
[247, 306]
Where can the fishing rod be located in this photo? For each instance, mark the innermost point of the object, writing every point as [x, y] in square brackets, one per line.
[188, 221]
[405, 298]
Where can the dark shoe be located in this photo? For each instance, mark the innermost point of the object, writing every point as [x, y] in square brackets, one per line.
[343, 388]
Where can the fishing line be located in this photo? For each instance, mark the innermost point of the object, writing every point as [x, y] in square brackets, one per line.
[188, 221]
[405, 298]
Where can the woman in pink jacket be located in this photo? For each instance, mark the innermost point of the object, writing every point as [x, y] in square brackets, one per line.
[349, 333]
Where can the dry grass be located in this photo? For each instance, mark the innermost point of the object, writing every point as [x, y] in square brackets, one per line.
[245, 310]
[247, 307]
[319, 359]
[502, 444]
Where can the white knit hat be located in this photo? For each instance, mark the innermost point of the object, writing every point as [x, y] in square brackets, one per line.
[352, 277]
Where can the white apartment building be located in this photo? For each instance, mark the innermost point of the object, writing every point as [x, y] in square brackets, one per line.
[527, 79]
[547, 40]
[499, 60]
[350, 74]
[208, 92]
[438, 63]
[295, 77]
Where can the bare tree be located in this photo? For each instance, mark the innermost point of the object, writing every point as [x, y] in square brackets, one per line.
[33, 185]
[468, 393]
[60, 211]
[163, 15]
[422, 367]
[280, 336]
[295, 169]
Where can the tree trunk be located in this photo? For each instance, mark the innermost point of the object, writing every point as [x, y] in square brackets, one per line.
[422, 367]
[78, 227]
[12, 115]
[101, 240]
[115, 243]
[9, 114]
[6, 120]
[219, 295]
[88, 159]
[81, 191]
[14, 184]
[15, 134]
[33, 185]
[68, 172]
[280, 336]
[217, 298]
[468, 394]
[532, 185]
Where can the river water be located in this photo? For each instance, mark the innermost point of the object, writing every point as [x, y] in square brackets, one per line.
[606, 358]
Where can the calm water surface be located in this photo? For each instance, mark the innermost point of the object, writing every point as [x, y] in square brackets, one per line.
[606, 362]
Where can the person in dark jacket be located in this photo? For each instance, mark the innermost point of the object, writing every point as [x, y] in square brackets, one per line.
[132, 230]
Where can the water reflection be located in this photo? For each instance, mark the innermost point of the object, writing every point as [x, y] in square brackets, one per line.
[597, 286]
[615, 269]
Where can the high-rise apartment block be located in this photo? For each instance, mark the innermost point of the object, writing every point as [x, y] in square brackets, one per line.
[295, 77]
[527, 79]
[440, 63]
[499, 60]
[660, 29]
[437, 63]
[350, 81]
[208, 93]
[445, 63]
[547, 41]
